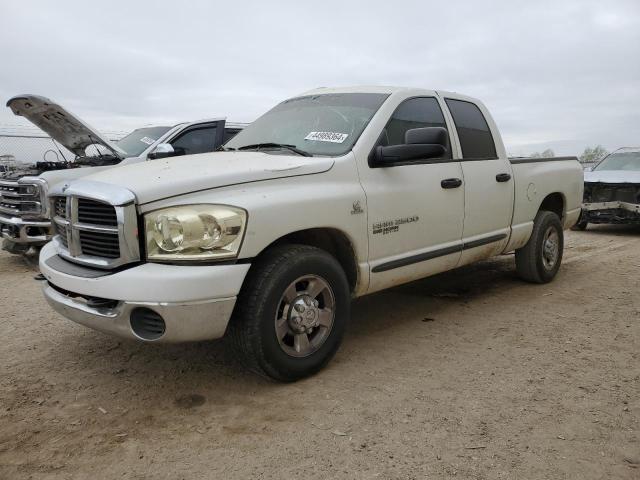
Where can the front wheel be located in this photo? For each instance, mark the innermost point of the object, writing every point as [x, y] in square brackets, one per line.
[291, 313]
[539, 260]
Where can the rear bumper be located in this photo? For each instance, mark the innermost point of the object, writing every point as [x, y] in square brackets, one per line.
[26, 232]
[193, 302]
[611, 212]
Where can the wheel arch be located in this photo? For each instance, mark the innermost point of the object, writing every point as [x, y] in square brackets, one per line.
[554, 202]
[331, 240]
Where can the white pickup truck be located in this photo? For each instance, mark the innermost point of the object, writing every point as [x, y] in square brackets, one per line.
[330, 195]
[24, 214]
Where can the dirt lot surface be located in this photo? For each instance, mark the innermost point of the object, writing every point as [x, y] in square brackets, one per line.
[471, 374]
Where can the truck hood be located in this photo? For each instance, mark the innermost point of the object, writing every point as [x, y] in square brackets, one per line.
[60, 124]
[58, 176]
[612, 176]
[157, 179]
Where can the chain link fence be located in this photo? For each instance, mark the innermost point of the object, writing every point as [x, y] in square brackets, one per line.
[27, 148]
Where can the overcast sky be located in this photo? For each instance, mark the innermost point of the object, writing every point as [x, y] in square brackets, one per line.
[561, 74]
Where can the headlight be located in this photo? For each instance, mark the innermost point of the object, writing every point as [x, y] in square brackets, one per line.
[194, 232]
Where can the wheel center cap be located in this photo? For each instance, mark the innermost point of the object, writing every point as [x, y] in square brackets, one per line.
[304, 314]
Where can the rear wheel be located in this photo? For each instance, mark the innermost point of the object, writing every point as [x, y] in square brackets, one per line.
[539, 260]
[291, 313]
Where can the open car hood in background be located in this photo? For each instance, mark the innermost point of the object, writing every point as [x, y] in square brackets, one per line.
[61, 125]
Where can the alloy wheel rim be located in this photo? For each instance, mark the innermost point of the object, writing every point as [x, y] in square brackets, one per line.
[550, 248]
[305, 316]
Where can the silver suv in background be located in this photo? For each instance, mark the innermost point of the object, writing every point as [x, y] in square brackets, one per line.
[24, 211]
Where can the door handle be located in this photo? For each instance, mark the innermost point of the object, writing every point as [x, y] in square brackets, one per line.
[451, 183]
[503, 177]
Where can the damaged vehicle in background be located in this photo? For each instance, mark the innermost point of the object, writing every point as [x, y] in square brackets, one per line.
[24, 212]
[612, 190]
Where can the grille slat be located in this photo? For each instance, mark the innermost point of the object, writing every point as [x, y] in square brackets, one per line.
[108, 242]
[95, 220]
[100, 253]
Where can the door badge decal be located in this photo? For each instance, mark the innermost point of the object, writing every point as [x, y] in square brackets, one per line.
[357, 208]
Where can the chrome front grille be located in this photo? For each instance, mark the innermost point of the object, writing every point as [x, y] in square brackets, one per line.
[21, 199]
[100, 232]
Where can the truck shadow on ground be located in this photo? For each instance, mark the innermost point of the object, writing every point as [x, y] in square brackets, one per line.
[208, 365]
[618, 230]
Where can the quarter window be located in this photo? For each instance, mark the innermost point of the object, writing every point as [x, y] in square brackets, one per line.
[473, 132]
[413, 113]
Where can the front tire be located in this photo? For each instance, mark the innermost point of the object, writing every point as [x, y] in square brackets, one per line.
[291, 313]
[539, 260]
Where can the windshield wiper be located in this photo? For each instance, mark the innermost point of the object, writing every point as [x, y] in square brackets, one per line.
[292, 148]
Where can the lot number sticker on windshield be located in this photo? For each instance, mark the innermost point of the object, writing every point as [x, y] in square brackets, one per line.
[332, 137]
[147, 140]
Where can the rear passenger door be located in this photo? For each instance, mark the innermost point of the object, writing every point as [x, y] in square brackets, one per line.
[487, 182]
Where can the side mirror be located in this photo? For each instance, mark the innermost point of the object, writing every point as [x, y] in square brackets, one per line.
[162, 151]
[419, 144]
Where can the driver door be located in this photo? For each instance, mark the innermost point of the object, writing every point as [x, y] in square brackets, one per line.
[415, 210]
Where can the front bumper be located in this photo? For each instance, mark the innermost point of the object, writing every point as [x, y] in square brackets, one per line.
[26, 232]
[615, 212]
[194, 302]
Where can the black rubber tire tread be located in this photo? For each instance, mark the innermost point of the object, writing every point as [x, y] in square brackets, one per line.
[244, 332]
[529, 264]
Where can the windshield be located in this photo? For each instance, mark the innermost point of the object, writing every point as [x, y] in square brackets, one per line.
[139, 140]
[326, 124]
[620, 161]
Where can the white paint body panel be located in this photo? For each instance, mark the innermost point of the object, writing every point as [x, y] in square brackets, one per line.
[283, 194]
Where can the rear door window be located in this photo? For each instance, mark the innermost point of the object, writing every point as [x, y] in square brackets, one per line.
[474, 134]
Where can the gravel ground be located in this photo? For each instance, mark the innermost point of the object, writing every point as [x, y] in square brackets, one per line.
[472, 374]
